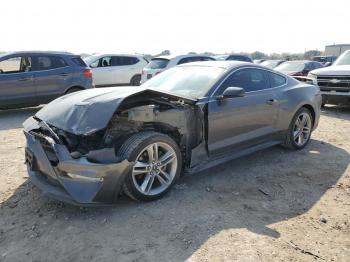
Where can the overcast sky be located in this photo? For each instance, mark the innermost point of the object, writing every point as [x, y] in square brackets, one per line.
[150, 26]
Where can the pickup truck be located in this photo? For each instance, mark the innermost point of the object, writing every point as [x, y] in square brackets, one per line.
[334, 81]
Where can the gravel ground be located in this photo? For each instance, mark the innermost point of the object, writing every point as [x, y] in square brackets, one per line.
[274, 205]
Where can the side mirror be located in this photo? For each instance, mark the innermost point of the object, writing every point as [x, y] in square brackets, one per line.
[232, 92]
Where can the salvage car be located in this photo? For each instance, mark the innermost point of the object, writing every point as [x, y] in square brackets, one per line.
[88, 147]
[34, 78]
[334, 81]
[272, 63]
[298, 67]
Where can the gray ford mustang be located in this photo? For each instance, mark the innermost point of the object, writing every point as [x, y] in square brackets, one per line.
[87, 147]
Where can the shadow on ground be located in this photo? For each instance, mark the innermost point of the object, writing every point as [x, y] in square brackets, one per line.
[249, 193]
[13, 118]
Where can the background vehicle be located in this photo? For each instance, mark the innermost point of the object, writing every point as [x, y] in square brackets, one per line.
[325, 60]
[258, 61]
[161, 63]
[33, 78]
[234, 57]
[112, 69]
[334, 81]
[190, 117]
[272, 63]
[298, 68]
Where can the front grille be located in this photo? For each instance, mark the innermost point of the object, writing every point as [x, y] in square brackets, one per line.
[334, 83]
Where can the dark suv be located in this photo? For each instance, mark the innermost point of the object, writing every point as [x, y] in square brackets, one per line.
[33, 78]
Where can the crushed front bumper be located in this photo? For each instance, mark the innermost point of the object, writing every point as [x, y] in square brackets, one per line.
[76, 181]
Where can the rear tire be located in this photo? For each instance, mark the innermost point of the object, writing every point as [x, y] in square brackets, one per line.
[299, 131]
[157, 165]
[135, 80]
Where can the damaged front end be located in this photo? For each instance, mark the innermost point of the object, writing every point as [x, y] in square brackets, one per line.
[72, 153]
[83, 180]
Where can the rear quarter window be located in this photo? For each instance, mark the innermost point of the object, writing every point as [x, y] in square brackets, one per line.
[79, 62]
[277, 80]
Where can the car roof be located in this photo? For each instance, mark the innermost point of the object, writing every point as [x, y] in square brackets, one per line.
[301, 61]
[222, 64]
[169, 57]
[110, 54]
[37, 52]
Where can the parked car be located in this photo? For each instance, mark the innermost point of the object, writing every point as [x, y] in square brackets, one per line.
[33, 78]
[334, 81]
[298, 68]
[114, 70]
[325, 60]
[272, 63]
[258, 61]
[162, 63]
[87, 147]
[234, 57]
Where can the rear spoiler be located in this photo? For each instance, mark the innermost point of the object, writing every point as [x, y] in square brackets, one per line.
[305, 79]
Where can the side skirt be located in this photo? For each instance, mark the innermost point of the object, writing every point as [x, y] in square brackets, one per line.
[228, 157]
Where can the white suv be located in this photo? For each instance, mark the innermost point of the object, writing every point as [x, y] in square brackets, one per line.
[112, 69]
[161, 63]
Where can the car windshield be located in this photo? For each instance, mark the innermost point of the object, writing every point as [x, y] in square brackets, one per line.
[158, 63]
[344, 59]
[270, 63]
[291, 66]
[187, 81]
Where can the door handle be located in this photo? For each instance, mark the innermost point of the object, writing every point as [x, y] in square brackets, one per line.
[63, 74]
[24, 79]
[271, 101]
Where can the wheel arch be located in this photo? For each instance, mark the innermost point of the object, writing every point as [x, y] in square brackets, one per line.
[73, 87]
[312, 111]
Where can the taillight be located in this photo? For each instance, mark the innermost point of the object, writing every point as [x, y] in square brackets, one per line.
[88, 73]
[157, 73]
[143, 72]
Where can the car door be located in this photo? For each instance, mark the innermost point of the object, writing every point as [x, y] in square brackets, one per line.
[16, 81]
[52, 76]
[124, 68]
[102, 72]
[240, 122]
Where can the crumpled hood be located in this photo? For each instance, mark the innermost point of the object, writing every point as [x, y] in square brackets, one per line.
[333, 70]
[85, 112]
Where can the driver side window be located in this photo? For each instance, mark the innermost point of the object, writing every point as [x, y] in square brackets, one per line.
[16, 65]
[250, 79]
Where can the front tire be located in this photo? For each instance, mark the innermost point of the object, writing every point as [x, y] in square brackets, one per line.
[157, 164]
[299, 132]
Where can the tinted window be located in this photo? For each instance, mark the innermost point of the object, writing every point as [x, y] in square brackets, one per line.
[15, 65]
[123, 60]
[78, 61]
[49, 62]
[249, 79]
[158, 63]
[277, 80]
[194, 59]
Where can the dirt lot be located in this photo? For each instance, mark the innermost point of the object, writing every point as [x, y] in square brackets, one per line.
[275, 205]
